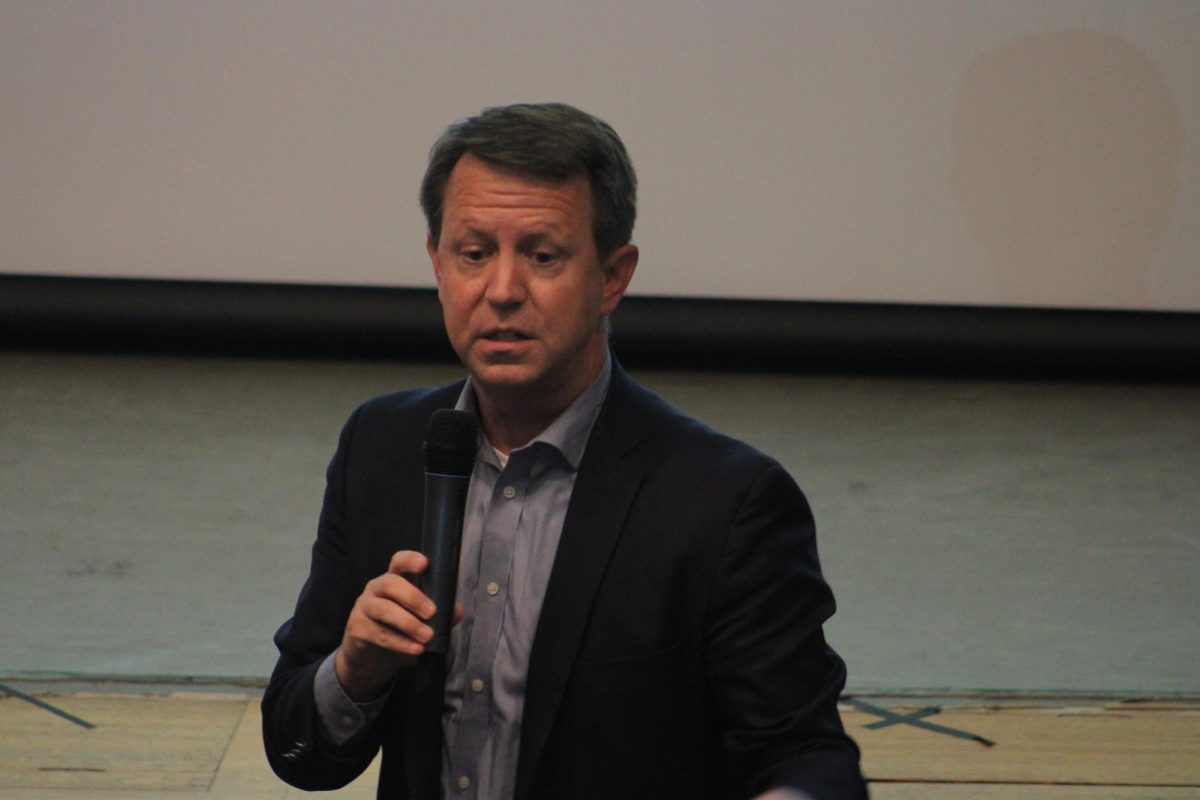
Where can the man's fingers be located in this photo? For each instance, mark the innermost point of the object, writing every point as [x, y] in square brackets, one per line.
[387, 622]
[394, 619]
[378, 640]
[403, 593]
[408, 562]
[390, 615]
[385, 638]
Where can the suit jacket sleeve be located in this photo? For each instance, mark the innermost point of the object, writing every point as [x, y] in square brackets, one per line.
[296, 746]
[775, 680]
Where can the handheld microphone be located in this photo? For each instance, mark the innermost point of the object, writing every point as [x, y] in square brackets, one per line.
[450, 447]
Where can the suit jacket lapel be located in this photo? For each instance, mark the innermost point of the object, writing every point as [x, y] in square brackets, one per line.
[604, 489]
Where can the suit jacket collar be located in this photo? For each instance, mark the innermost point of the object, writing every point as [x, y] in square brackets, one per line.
[604, 489]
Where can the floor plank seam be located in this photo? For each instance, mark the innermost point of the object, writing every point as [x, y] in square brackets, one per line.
[212, 779]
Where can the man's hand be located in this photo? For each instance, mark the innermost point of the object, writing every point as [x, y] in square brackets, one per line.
[386, 628]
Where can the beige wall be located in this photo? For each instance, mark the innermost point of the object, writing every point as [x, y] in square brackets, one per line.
[1016, 152]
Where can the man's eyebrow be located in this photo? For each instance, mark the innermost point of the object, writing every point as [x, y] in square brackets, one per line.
[538, 237]
[468, 231]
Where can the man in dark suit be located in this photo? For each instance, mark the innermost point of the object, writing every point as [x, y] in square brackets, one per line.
[641, 600]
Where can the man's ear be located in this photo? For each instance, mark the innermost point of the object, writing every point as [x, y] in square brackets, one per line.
[618, 271]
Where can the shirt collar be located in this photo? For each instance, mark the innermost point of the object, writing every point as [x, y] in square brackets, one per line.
[568, 433]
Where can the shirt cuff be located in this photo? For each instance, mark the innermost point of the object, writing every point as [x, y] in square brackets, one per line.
[341, 716]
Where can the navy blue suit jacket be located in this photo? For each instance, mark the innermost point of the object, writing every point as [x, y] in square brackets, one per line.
[679, 653]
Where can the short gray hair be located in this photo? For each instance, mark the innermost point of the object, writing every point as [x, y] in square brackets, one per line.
[547, 141]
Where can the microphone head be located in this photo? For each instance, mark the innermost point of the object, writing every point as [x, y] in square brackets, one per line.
[451, 442]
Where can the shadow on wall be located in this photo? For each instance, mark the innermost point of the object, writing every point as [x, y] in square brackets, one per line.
[1067, 146]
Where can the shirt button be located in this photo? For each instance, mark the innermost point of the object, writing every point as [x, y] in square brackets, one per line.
[509, 492]
[493, 588]
[477, 685]
[464, 782]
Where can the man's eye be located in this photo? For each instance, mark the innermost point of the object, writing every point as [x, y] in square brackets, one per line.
[544, 258]
[473, 254]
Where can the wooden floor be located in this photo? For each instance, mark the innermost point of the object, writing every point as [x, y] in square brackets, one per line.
[178, 745]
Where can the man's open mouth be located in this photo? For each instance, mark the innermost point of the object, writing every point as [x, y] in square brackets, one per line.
[506, 336]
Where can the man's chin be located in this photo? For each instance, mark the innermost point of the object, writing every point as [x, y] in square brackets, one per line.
[504, 376]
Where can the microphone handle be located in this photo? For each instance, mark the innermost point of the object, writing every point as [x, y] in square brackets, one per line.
[441, 537]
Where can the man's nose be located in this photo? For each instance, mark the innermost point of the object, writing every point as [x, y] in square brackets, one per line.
[506, 286]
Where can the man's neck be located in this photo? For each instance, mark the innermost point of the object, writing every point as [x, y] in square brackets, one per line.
[509, 429]
[514, 418]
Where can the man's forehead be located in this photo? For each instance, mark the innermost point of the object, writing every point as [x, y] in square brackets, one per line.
[475, 183]
[472, 163]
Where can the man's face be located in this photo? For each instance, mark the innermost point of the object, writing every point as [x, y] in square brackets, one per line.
[523, 291]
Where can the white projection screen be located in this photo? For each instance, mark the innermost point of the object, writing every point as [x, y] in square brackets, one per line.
[1014, 153]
